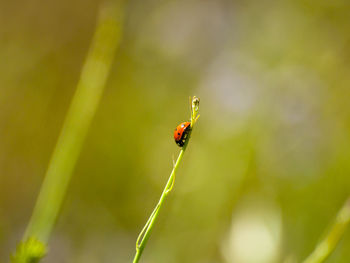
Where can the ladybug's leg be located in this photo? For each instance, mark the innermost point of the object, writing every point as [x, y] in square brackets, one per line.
[184, 138]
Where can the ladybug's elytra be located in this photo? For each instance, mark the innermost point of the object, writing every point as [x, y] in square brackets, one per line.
[181, 133]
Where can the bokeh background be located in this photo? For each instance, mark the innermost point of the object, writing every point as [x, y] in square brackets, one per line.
[267, 167]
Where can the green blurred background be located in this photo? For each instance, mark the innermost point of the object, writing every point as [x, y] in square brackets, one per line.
[268, 164]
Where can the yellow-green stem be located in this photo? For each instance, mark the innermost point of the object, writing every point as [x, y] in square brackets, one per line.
[82, 109]
[144, 235]
[328, 244]
[147, 229]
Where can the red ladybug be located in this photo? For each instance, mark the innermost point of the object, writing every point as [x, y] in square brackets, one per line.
[181, 133]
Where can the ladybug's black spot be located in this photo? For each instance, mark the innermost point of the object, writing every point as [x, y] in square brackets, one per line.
[178, 133]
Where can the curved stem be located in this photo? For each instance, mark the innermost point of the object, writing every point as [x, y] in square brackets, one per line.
[147, 229]
[328, 244]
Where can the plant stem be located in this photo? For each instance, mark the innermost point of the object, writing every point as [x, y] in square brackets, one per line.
[82, 109]
[145, 233]
[147, 229]
[328, 244]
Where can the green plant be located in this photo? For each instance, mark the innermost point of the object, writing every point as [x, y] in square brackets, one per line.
[80, 114]
[31, 250]
[147, 229]
[328, 244]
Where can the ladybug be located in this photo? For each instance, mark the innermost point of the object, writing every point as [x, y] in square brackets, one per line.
[181, 133]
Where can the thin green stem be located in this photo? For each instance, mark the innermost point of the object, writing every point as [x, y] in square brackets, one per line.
[82, 109]
[328, 244]
[145, 233]
[147, 229]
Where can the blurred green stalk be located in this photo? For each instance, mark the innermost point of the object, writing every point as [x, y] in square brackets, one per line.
[328, 244]
[147, 229]
[80, 114]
